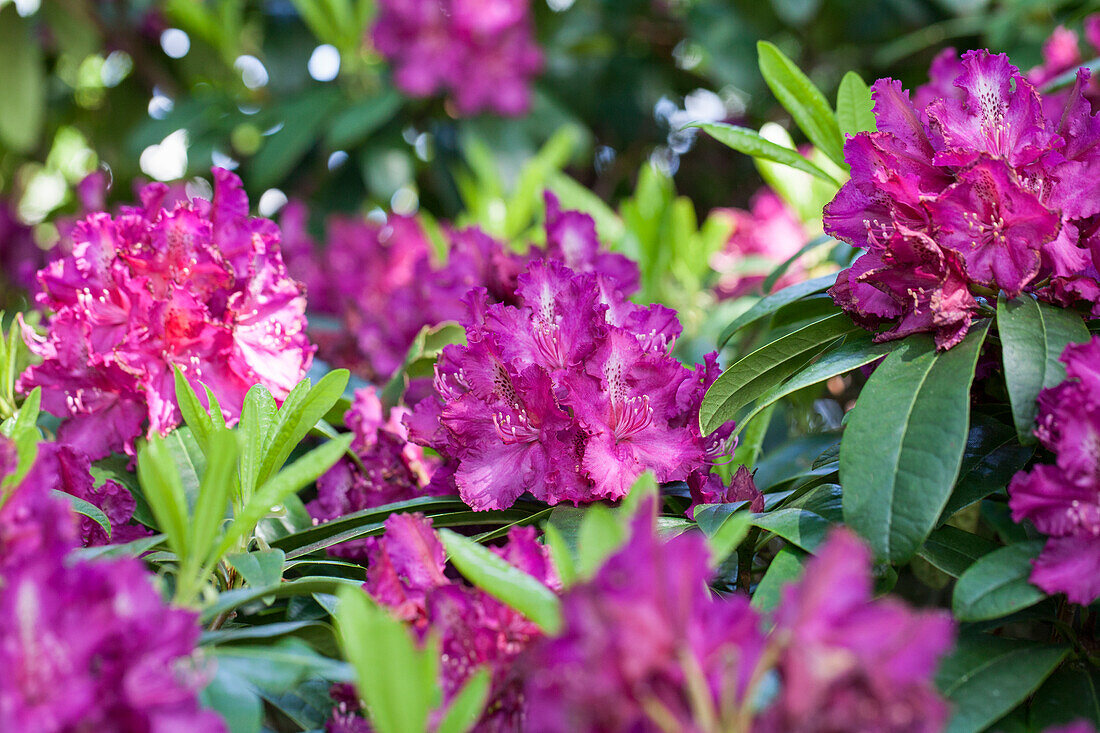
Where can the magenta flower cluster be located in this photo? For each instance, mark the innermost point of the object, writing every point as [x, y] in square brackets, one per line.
[388, 468]
[1062, 499]
[570, 395]
[86, 645]
[199, 286]
[976, 192]
[763, 237]
[646, 647]
[480, 53]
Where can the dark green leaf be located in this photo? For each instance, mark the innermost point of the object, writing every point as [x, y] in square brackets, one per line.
[353, 125]
[1071, 694]
[260, 569]
[766, 367]
[992, 457]
[904, 441]
[769, 305]
[752, 143]
[953, 550]
[1033, 336]
[785, 567]
[997, 583]
[987, 676]
[303, 116]
[807, 105]
[798, 526]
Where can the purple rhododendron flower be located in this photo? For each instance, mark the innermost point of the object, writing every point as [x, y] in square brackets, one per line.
[770, 233]
[389, 468]
[644, 642]
[973, 187]
[570, 395]
[87, 645]
[20, 257]
[65, 468]
[1062, 499]
[850, 662]
[480, 53]
[199, 286]
[406, 574]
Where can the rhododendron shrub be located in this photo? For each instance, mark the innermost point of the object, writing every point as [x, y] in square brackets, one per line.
[976, 192]
[481, 55]
[198, 286]
[87, 644]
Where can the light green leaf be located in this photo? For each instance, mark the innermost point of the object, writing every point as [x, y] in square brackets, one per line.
[752, 143]
[259, 569]
[466, 707]
[855, 108]
[296, 419]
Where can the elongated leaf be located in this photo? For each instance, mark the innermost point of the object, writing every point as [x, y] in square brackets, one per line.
[160, 480]
[214, 490]
[467, 705]
[131, 549]
[992, 457]
[504, 581]
[296, 420]
[785, 567]
[769, 305]
[1071, 694]
[89, 510]
[303, 471]
[987, 676]
[355, 123]
[194, 415]
[855, 109]
[302, 587]
[752, 143]
[728, 536]
[766, 367]
[902, 448]
[1033, 336]
[258, 415]
[997, 584]
[802, 528]
[952, 550]
[601, 533]
[858, 349]
[395, 677]
[807, 105]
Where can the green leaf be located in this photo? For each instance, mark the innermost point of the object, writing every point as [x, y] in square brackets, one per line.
[466, 707]
[258, 415]
[772, 303]
[1033, 336]
[601, 533]
[160, 481]
[952, 550]
[752, 143]
[23, 79]
[303, 471]
[130, 549]
[987, 676]
[214, 490]
[87, 509]
[561, 554]
[992, 457]
[802, 528]
[997, 584]
[858, 349]
[807, 105]
[194, 414]
[756, 373]
[354, 124]
[504, 581]
[903, 445]
[855, 108]
[303, 117]
[1072, 693]
[728, 536]
[235, 700]
[785, 567]
[259, 569]
[296, 419]
[397, 680]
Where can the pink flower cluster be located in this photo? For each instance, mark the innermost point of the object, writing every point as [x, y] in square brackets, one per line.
[1062, 53]
[481, 53]
[388, 468]
[199, 286]
[1062, 499]
[406, 574]
[763, 237]
[646, 647]
[86, 645]
[569, 395]
[978, 191]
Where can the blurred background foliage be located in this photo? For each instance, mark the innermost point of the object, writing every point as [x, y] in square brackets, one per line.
[290, 94]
